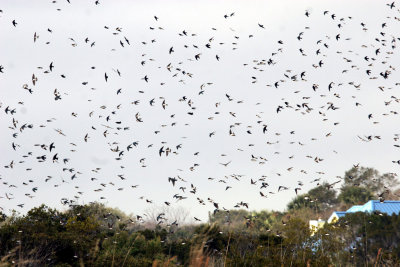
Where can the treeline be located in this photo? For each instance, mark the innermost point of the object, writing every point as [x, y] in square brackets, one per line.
[358, 186]
[95, 235]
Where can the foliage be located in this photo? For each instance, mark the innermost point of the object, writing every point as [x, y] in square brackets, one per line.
[96, 235]
[355, 195]
[320, 198]
[45, 236]
[369, 178]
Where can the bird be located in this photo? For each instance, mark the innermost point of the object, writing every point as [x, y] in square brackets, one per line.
[161, 150]
[272, 108]
[52, 146]
[281, 187]
[35, 37]
[226, 164]
[173, 180]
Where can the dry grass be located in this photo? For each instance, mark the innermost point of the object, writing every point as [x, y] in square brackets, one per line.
[198, 258]
[33, 258]
[170, 262]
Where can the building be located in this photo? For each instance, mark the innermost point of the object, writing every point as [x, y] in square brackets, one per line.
[336, 215]
[389, 207]
[315, 225]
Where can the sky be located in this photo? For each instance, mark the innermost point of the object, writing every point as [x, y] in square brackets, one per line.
[317, 134]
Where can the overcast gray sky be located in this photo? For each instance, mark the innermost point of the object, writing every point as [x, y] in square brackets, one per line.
[286, 153]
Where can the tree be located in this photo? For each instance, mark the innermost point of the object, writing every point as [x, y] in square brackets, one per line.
[106, 216]
[158, 215]
[320, 199]
[233, 218]
[362, 184]
[3, 217]
[370, 178]
[296, 244]
[355, 195]
[367, 236]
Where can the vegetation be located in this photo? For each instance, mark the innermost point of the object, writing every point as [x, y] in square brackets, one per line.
[95, 235]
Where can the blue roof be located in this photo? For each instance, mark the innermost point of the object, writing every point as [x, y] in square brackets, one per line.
[388, 206]
[340, 213]
[356, 208]
[336, 214]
